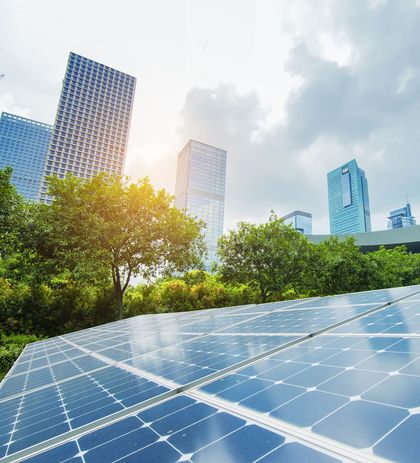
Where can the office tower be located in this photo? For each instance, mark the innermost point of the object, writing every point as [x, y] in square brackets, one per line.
[348, 200]
[200, 189]
[301, 221]
[401, 218]
[92, 123]
[23, 146]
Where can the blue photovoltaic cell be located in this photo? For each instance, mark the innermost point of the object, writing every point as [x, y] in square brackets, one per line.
[400, 318]
[354, 390]
[40, 415]
[205, 355]
[32, 379]
[182, 429]
[297, 320]
[356, 385]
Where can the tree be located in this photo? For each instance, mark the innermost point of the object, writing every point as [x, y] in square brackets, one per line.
[271, 256]
[11, 213]
[105, 227]
[339, 267]
[391, 267]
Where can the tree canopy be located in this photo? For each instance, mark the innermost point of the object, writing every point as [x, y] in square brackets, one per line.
[107, 226]
[270, 255]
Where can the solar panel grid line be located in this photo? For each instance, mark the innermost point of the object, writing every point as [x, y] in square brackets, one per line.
[247, 362]
[321, 443]
[185, 428]
[392, 346]
[59, 362]
[136, 371]
[103, 358]
[78, 432]
[270, 352]
[15, 423]
[46, 386]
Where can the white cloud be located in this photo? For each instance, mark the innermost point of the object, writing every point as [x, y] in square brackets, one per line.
[8, 104]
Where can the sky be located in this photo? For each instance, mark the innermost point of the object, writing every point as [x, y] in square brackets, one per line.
[290, 88]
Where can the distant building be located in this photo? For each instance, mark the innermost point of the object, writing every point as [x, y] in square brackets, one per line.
[200, 189]
[348, 199]
[301, 221]
[401, 218]
[92, 123]
[23, 146]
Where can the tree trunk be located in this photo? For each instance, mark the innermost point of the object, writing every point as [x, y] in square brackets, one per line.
[263, 295]
[119, 301]
[118, 292]
[119, 289]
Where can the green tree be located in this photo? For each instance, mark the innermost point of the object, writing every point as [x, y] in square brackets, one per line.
[105, 227]
[270, 256]
[392, 267]
[11, 214]
[338, 266]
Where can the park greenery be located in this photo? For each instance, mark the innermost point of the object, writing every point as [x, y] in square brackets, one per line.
[70, 264]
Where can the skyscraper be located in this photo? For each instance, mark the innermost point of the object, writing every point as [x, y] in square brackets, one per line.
[23, 146]
[401, 218]
[348, 199]
[301, 221]
[92, 123]
[200, 189]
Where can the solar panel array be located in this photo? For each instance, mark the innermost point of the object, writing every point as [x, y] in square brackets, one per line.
[320, 380]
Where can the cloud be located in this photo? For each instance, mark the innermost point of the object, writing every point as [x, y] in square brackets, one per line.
[8, 104]
[365, 105]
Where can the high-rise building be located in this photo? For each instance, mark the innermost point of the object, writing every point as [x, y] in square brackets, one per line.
[92, 123]
[348, 199]
[300, 221]
[23, 146]
[200, 189]
[401, 218]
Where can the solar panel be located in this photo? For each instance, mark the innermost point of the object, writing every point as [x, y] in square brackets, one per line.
[321, 379]
[182, 429]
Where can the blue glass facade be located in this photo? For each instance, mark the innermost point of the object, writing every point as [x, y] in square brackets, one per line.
[300, 221]
[200, 189]
[92, 122]
[401, 218]
[348, 199]
[23, 146]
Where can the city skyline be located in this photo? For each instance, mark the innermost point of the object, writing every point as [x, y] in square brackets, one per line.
[289, 98]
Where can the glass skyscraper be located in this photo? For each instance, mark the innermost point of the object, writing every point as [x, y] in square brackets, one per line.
[92, 123]
[200, 189]
[23, 146]
[301, 221]
[348, 200]
[401, 218]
